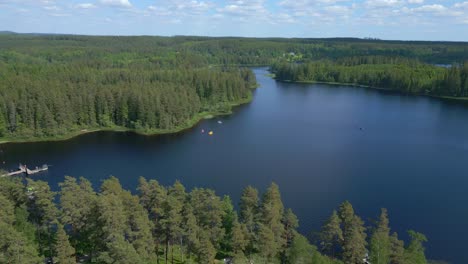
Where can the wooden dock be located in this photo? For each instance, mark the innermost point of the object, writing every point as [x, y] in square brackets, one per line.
[23, 169]
[37, 170]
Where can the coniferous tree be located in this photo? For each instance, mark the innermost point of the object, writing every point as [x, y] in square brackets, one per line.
[397, 250]
[65, 253]
[239, 241]
[171, 222]
[414, 253]
[3, 128]
[290, 223]
[43, 213]
[380, 244]
[249, 215]
[267, 246]
[78, 202]
[191, 230]
[227, 224]
[153, 197]
[16, 248]
[354, 236]
[331, 235]
[206, 251]
[272, 211]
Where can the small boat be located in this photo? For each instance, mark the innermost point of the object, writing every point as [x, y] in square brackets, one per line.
[220, 122]
[203, 130]
[210, 133]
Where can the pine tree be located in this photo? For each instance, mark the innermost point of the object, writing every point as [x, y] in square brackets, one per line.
[206, 251]
[3, 125]
[16, 248]
[331, 235]
[138, 231]
[249, 215]
[272, 211]
[239, 239]
[397, 250]
[153, 197]
[301, 251]
[119, 251]
[354, 236]
[43, 214]
[380, 245]
[191, 230]
[414, 253]
[171, 222]
[267, 246]
[7, 211]
[79, 210]
[290, 223]
[229, 217]
[65, 253]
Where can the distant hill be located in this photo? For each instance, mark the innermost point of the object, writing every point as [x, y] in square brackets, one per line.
[7, 33]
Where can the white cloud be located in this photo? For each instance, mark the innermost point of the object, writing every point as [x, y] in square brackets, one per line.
[242, 9]
[116, 3]
[85, 6]
[52, 8]
[461, 5]
[430, 8]
[415, 1]
[383, 3]
[180, 8]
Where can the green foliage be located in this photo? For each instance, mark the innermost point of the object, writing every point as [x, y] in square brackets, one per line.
[50, 91]
[380, 244]
[54, 86]
[397, 250]
[170, 225]
[3, 124]
[65, 253]
[272, 211]
[331, 235]
[414, 253]
[249, 214]
[8, 211]
[302, 252]
[403, 75]
[15, 248]
[354, 235]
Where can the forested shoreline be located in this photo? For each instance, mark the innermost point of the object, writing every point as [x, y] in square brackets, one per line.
[58, 86]
[172, 225]
[398, 74]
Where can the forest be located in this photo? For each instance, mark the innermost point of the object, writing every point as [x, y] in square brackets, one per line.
[57, 86]
[160, 224]
[400, 74]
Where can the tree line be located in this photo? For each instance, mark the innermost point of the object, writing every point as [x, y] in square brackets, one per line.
[172, 225]
[393, 73]
[42, 99]
[58, 85]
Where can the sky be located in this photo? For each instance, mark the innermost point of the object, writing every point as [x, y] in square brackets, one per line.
[383, 19]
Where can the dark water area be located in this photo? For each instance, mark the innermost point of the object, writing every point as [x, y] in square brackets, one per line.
[321, 144]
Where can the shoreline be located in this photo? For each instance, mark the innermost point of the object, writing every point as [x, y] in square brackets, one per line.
[196, 119]
[444, 97]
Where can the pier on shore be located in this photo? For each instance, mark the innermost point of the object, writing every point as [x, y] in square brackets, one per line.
[23, 169]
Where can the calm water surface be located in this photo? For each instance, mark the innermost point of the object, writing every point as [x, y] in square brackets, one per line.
[321, 144]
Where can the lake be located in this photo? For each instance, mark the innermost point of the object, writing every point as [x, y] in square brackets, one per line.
[321, 144]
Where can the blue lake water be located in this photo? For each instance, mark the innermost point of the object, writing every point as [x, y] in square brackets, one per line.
[321, 144]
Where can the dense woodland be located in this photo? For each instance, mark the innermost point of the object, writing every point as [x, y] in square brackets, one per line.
[54, 86]
[171, 225]
[394, 73]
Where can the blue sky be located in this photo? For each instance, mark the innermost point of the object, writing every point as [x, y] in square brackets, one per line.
[385, 19]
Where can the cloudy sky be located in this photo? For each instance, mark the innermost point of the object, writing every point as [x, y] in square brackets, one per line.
[385, 19]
